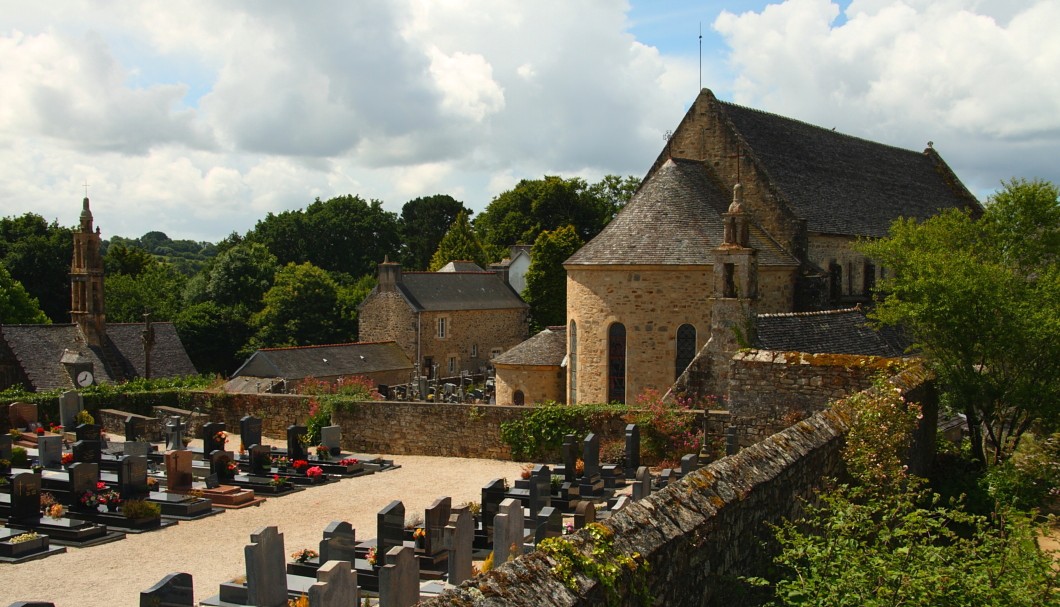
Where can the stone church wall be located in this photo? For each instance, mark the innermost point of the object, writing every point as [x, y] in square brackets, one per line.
[538, 383]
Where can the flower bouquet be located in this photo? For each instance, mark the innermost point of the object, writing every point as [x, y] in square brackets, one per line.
[68, 458]
[277, 481]
[220, 438]
[304, 555]
[314, 472]
[372, 557]
[300, 464]
[349, 461]
[322, 451]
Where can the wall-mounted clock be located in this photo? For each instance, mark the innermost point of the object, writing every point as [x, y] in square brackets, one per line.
[84, 379]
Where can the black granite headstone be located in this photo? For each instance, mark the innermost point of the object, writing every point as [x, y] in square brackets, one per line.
[260, 459]
[250, 430]
[174, 590]
[86, 451]
[25, 497]
[210, 442]
[132, 476]
[390, 522]
[570, 458]
[492, 496]
[632, 450]
[295, 448]
[87, 432]
[220, 464]
[83, 477]
[135, 428]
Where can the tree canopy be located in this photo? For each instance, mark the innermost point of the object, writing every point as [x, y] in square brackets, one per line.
[546, 280]
[17, 306]
[37, 254]
[423, 223]
[981, 298]
[302, 308]
[459, 244]
[156, 290]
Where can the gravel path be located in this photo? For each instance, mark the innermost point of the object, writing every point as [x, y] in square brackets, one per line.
[211, 549]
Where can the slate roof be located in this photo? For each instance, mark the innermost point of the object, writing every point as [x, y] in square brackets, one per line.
[829, 332]
[441, 291]
[673, 219]
[40, 350]
[325, 361]
[842, 184]
[547, 348]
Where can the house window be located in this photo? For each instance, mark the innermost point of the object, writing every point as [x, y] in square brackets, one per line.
[686, 348]
[474, 350]
[573, 362]
[616, 363]
[495, 352]
[428, 367]
[443, 328]
[452, 365]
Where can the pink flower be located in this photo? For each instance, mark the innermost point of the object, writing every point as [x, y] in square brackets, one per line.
[314, 472]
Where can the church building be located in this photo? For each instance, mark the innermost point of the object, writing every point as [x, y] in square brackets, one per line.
[743, 213]
[88, 351]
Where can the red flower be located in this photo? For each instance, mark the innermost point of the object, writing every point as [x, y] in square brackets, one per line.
[300, 464]
[314, 472]
[68, 458]
[100, 485]
[40, 430]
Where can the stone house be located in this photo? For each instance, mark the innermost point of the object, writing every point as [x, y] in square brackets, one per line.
[446, 322]
[88, 351]
[648, 293]
[284, 369]
[532, 372]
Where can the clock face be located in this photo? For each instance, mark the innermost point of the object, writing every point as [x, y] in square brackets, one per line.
[84, 378]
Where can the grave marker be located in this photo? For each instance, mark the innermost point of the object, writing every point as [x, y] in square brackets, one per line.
[295, 448]
[508, 531]
[331, 437]
[540, 489]
[219, 465]
[135, 428]
[70, 404]
[25, 497]
[260, 457]
[266, 569]
[620, 503]
[591, 456]
[642, 484]
[250, 430]
[549, 524]
[5, 447]
[336, 586]
[87, 451]
[174, 428]
[136, 448]
[459, 536]
[50, 451]
[209, 437]
[492, 494]
[632, 450]
[689, 464]
[339, 543]
[178, 471]
[87, 432]
[390, 527]
[132, 476]
[174, 590]
[83, 477]
[22, 415]
[584, 513]
[570, 458]
[435, 518]
[399, 578]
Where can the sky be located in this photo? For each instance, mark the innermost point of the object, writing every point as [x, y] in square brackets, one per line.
[198, 118]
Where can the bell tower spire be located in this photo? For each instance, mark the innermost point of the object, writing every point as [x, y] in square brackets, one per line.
[86, 281]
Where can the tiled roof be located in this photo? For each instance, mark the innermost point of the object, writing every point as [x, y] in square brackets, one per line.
[40, 350]
[325, 361]
[673, 219]
[440, 291]
[830, 332]
[547, 348]
[842, 184]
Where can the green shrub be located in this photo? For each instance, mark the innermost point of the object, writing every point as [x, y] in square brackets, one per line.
[538, 433]
[140, 509]
[19, 458]
[1030, 478]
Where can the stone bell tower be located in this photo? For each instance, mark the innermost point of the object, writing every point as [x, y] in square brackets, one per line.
[86, 281]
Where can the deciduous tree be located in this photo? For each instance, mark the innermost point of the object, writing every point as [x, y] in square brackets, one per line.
[423, 223]
[17, 306]
[546, 280]
[459, 244]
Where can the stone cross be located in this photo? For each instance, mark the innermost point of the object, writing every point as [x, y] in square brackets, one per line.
[508, 532]
[266, 569]
[174, 429]
[399, 578]
[459, 537]
[336, 586]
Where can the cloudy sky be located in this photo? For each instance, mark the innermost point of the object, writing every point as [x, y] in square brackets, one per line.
[198, 118]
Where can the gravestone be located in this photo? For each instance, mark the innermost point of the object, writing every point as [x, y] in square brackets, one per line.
[25, 497]
[591, 456]
[459, 537]
[508, 532]
[219, 465]
[210, 431]
[83, 477]
[339, 543]
[266, 569]
[689, 464]
[250, 430]
[584, 513]
[135, 428]
[540, 489]
[620, 503]
[132, 476]
[435, 518]
[86, 451]
[295, 448]
[174, 590]
[336, 586]
[570, 458]
[87, 432]
[399, 578]
[390, 527]
[632, 450]
[260, 458]
[331, 437]
[22, 415]
[50, 451]
[70, 404]
[666, 477]
[136, 448]
[5, 447]
[642, 484]
[178, 471]
[549, 523]
[174, 428]
[492, 495]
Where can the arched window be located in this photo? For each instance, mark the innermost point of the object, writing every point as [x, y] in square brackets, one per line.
[519, 398]
[616, 363]
[686, 348]
[572, 363]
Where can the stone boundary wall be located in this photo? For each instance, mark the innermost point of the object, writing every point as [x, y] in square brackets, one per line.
[699, 534]
[769, 391]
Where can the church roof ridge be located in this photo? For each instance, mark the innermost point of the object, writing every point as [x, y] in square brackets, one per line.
[857, 309]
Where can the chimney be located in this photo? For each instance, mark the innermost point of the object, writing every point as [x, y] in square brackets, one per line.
[389, 275]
